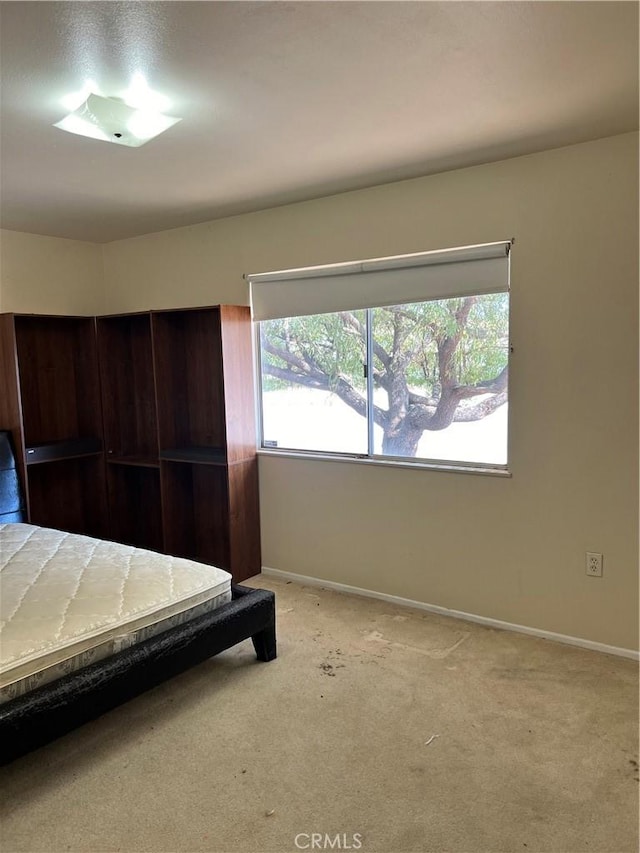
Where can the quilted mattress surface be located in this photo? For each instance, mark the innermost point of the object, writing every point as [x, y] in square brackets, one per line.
[68, 600]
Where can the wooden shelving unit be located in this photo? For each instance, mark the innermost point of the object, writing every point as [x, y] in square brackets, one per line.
[125, 351]
[139, 427]
[180, 435]
[51, 402]
[206, 431]
[128, 390]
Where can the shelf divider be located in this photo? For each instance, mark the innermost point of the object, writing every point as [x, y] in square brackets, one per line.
[136, 461]
[54, 451]
[197, 455]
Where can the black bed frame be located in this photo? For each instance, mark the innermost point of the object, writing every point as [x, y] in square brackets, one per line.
[48, 712]
[54, 709]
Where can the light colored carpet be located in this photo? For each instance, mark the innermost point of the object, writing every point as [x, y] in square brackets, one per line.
[379, 726]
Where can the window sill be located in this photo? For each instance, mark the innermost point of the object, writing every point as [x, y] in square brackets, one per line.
[486, 471]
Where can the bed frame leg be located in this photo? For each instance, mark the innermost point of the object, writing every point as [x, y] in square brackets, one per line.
[264, 642]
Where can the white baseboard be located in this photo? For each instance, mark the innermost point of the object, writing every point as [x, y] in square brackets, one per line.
[457, 614]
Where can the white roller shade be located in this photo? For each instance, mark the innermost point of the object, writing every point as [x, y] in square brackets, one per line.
[381, 281]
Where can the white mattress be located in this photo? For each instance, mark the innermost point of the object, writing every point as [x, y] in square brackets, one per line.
[69, 600]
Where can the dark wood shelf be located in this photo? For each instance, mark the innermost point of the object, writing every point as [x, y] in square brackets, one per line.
[69, 494]
[128, 386]
[196, 455]
[180, 380]
[196, 514]
[57, 451]
[136, 461]
[51, 401]
[189, 378]
[136, 505]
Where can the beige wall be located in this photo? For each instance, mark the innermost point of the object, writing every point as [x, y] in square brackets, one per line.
[48, 275]
[511, 549]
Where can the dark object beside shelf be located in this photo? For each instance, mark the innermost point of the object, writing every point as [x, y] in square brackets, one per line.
[11, 501]
[45, 714]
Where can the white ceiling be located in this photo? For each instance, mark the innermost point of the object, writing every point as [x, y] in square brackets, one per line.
[283, 101]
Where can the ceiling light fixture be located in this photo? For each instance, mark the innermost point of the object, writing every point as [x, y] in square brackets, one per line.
[111, 120]
[74, 99]
[140, 96]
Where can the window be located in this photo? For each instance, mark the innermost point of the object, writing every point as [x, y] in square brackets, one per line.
[314, 390]
[424, 379]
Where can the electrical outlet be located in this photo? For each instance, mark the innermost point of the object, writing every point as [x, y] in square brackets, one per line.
[594, 564]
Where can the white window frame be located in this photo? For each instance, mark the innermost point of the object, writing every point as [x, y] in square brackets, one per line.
[336, 273]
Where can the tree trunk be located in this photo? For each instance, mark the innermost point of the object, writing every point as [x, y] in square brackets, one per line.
[401, 441]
